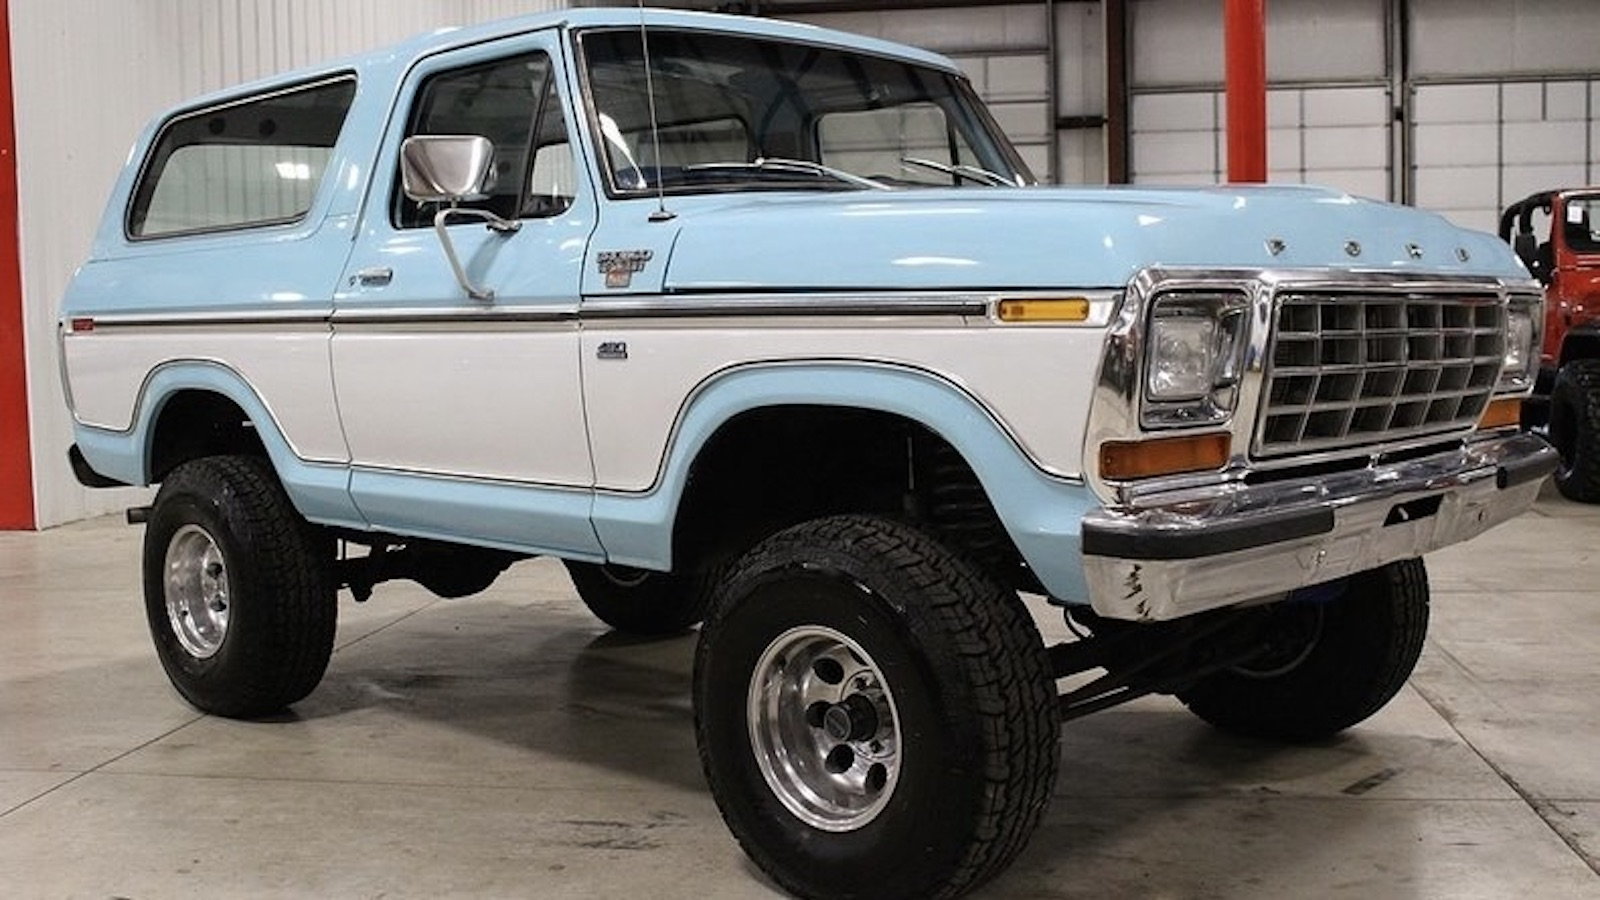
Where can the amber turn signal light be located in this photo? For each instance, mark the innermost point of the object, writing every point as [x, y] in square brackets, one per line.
[1123, 460]
[1502, 413]
[1044, 309]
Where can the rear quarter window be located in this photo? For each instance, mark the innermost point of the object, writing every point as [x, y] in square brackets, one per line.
[248, 163]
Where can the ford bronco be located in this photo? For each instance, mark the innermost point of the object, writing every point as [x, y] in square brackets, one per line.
[769, 327]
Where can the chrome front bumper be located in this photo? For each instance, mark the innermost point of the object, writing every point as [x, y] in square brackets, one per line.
[1177, 554]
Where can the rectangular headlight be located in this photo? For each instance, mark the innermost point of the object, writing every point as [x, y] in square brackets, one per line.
[1523, 333]
[1183, 352]
[1192, 360]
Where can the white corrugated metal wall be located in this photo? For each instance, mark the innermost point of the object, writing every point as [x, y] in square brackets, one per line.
[1328, 112]
[1500, 99]
[1505, 101]
[88, 75]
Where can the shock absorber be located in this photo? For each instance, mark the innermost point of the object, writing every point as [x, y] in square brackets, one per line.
[958, 509]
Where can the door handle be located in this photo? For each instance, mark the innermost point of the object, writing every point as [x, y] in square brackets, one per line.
[374, 276]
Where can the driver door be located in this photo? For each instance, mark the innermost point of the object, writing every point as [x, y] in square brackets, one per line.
[464, 417]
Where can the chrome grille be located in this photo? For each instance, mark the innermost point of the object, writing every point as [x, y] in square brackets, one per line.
[1360, 369]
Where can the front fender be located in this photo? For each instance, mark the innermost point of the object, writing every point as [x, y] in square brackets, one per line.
[1041, 512]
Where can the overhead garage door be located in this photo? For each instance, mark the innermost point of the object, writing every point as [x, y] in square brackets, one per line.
[1336, 136]
[1478, 147]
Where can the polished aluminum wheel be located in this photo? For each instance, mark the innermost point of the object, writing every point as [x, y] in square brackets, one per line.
[824, 728]
[197, 591]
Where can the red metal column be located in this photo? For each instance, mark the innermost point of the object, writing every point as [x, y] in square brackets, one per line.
[1245, 49]
[16, 462]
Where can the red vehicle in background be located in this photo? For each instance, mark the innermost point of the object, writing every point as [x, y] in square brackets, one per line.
[1557, 235]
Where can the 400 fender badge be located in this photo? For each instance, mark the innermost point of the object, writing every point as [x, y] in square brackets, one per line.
[618, 266]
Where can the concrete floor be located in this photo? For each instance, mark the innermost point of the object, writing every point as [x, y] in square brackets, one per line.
[507, 745]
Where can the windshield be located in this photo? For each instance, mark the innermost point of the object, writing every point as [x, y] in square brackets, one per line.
[736, 112]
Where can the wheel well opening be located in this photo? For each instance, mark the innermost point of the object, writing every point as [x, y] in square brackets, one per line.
[193, 424]
[770, 468]
[1580, 346]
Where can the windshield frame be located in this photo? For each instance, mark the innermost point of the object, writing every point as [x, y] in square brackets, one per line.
[960, 83]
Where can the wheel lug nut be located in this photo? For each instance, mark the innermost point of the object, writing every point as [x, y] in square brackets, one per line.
[839, 759]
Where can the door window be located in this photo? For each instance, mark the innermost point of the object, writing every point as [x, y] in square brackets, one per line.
[513, 102]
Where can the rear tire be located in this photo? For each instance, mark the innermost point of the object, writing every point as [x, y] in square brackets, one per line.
[1575, 429]
[875, 716]
[1351, 656]
[239, 589]
[639, 601]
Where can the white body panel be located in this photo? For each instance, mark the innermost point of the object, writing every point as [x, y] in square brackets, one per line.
[499, 401]
[287, 366]
[1036, 380]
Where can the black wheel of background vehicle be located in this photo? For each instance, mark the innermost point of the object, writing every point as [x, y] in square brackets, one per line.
[1575, 429]
[239, 589]
[875, 716]
[638, 601]
[1333, 662]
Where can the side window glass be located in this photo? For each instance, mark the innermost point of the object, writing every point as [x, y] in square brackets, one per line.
[553, 178]
[872, 142]
[512, 102]
[1583, 224]
[257, 162]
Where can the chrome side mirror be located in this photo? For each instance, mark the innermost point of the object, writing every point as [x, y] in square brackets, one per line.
[451, 169]
[447, 168]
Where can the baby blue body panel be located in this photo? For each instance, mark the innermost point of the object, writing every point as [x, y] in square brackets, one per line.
[1052, 237]
[1041, 512]
[319, 490]
[524, 518]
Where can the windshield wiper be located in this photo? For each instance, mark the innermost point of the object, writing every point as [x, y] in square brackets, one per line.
[960, 170]
[780, 164]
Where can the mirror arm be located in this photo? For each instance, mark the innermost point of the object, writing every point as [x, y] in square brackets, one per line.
[495, 223]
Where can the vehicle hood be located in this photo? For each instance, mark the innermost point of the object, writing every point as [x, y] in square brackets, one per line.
[1052, 237]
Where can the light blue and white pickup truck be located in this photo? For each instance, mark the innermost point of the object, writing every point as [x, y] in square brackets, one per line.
[769, 327]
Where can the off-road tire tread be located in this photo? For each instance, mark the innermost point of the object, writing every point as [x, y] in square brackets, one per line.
[288, 565]
[1308, 710]
[1578, 384]
[1001, 657]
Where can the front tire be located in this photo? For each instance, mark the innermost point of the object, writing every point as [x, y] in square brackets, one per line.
[875, 716]
[239, 589]
[1575, 429]
[1335, 662]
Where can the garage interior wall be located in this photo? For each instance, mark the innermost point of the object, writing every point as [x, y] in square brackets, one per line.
[1495, 100]
[1505, 99]
[1328, 106]
[87, 76]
